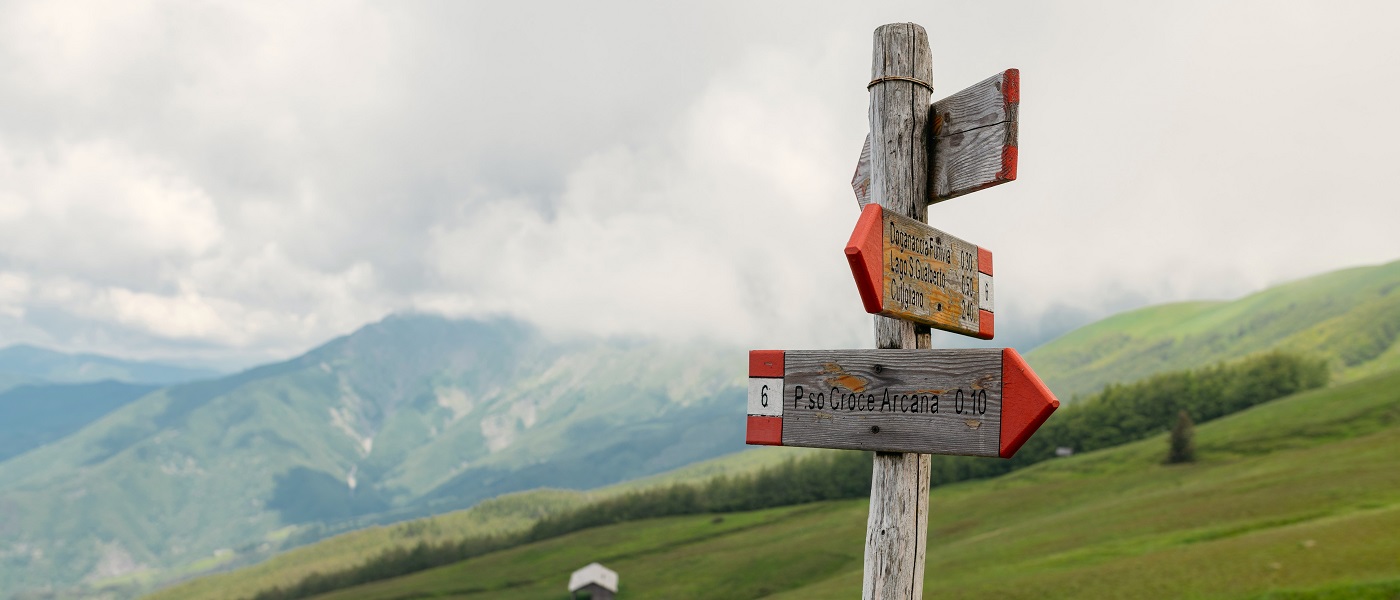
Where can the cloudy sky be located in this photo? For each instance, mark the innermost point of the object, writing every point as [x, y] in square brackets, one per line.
[232, 182]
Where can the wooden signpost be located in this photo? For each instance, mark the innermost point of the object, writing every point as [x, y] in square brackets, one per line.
[904, 400]
[973, 402]
[908, 270]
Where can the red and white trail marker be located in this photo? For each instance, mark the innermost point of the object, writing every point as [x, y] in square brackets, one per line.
[908, 270]
[972, 402]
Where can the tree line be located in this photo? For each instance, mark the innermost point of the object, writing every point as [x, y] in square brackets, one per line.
[1116, 415]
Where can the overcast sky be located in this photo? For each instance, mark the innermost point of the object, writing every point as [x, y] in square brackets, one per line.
[236, 182]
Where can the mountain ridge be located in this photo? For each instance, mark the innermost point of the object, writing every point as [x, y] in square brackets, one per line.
[30, 364]
[378, 420]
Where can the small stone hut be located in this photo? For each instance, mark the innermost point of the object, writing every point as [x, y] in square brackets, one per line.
[598, 581]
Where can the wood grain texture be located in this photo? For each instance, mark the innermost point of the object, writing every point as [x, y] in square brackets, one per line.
[921, 523]
[899, 133]
[899, 182]
[899, 155]
[897, 528]
[983, 104]
[923, 401]
[974, 137]
[973, 160]
[928, 276]
[899, 120]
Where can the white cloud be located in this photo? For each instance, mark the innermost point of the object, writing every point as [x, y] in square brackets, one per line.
[246, 180]
[97, 207]
[723, 226]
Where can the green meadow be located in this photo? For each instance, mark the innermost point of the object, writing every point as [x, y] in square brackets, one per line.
[1297, 498]
[504, 515]
[1351, 317]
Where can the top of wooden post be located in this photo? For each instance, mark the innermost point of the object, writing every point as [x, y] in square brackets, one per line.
[901, 75]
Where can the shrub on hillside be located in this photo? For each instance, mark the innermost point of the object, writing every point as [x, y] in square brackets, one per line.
[1181, 446]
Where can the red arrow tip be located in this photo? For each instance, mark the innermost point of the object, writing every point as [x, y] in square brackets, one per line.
[864, 254]
[1025, 402]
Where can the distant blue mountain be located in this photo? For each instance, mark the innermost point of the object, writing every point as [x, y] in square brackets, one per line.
[24, 364]
[34, 415]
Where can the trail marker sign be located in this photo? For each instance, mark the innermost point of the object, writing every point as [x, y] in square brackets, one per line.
[971, 401]
[974, 137]
[907, 270]
[974, 141]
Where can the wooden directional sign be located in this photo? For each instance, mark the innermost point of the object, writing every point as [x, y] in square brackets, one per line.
[908, 270]
[974, 140]
[974, 137]
[973, 402]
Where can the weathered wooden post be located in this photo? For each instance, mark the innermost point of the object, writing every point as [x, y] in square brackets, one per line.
[903, 399]
[901, 84]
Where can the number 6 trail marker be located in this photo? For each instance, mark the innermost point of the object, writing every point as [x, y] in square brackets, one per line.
[974, 402]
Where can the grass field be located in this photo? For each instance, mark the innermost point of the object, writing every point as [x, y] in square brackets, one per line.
[507, 514]
[1298, 498]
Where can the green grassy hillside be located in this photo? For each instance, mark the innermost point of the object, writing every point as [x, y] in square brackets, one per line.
[1298, 498]
[1352, 317]
[1127, 413]
[507, 514]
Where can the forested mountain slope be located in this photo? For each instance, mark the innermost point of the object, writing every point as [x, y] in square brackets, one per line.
[411, 416]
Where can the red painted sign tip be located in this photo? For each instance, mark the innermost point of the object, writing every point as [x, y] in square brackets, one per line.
[863, 251]
[765, 363]
[764, 431]
[1025, 402]
[986, 325]
[1008, 164]
[1011, 88]
[984, 260]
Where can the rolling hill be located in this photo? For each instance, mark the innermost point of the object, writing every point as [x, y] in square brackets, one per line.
[1351, 317]
[505, 514]
[1297, 498]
